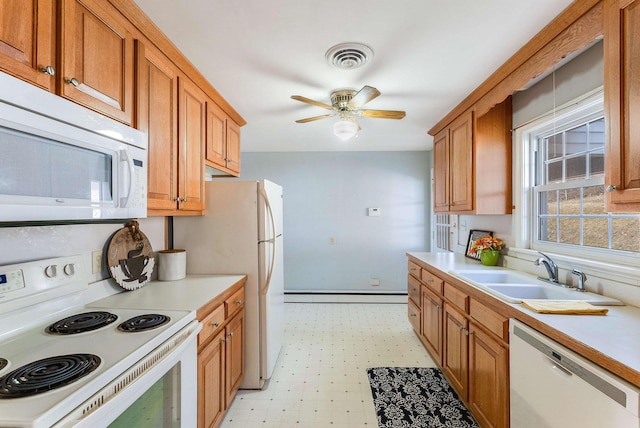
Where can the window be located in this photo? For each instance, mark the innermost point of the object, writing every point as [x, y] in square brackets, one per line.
[564, 176]
[443, 232]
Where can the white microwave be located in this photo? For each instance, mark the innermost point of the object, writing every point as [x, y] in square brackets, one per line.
[62, 162]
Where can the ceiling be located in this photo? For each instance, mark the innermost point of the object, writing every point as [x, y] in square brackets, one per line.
[428, 56]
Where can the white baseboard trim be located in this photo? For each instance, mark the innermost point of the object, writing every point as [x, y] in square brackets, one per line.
[307, 297]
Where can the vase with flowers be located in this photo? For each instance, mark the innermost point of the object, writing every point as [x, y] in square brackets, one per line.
[488, 247]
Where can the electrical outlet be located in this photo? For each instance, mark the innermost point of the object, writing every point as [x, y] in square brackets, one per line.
[332, 240]
[375, 281]
[96, 261]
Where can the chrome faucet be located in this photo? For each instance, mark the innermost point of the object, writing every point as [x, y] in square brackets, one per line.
[581, 279]
[550, 265]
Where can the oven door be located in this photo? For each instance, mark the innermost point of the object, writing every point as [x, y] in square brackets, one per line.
[158, 391]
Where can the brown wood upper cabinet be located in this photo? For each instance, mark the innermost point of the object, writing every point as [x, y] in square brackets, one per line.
[157, 115]
[27, 41]
[223, 141]
[472, 163]
[171, 110]
[191, 138]
[622, 104]
[97, 58]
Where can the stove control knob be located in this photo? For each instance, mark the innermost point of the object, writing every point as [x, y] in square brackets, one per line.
[51, 271]
[70, 269]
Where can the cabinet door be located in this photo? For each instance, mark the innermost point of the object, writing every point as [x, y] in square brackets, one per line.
[413, 313]
[235, 355]
[27, 40]
[461, 163]
[441, 171]
[97, 60]
[233, 146]
[157, 115]
[488, 380]
[622, 104]
[211, 383]
[455, 362]
[432, 324]
[192, 110]
[216, 134]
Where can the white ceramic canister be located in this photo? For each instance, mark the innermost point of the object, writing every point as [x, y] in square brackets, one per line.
[172, 265]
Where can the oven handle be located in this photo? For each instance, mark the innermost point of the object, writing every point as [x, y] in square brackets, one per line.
[107, 404]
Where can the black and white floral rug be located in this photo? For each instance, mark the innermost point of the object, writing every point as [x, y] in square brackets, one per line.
[416, 397]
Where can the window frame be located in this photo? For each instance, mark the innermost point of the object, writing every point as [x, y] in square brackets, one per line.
[525, 224]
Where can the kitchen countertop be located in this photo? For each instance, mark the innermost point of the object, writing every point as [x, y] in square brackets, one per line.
[612, 341]
[190, 293]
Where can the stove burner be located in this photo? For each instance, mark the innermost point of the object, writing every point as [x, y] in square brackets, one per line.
[81, 323]
[46, 374]
[144, 322]
[3, 363]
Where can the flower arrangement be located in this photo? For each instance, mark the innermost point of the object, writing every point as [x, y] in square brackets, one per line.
[486, 243]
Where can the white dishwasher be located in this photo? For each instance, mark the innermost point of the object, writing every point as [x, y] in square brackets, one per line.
[553, 387]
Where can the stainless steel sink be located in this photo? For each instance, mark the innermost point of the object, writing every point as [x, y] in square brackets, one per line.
[513, 287]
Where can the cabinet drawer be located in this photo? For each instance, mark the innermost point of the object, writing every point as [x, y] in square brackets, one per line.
[414, 289]
[489, 319]
[414, 269]
[414, 316]
[235, 302]
[211, 324]
[432, 281]
[457, 297]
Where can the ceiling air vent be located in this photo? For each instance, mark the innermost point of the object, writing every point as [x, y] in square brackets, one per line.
[349, 56]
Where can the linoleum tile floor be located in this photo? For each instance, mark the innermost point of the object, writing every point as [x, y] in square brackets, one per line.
[320, 378]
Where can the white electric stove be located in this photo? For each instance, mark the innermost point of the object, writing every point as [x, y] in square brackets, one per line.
[54, 373]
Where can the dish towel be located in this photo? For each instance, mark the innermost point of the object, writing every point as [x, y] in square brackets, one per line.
[564, 307]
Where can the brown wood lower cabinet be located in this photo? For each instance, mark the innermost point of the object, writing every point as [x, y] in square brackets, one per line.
[432, 307]
[488, 380]
[220, 360]
[468, 340]
[455, 358]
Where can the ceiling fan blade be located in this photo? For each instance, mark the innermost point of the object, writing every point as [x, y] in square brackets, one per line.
[311, 119]
[312, 102]
[382, 114]
[364, 95]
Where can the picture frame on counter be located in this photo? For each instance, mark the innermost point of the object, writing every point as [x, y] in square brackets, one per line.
[473, 235]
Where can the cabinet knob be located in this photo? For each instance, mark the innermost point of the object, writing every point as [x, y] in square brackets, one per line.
[216, 324]
[238, 302]
[175, 199]
[183, 200]
[73, 81]
[231, 334]
[610, 188]
[48, 70]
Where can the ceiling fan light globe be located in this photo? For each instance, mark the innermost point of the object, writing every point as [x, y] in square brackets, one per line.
[345, 129]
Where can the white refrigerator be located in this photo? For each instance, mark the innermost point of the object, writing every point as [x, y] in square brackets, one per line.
[241, 233]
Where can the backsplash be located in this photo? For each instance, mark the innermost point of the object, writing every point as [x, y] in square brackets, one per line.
[20, 244]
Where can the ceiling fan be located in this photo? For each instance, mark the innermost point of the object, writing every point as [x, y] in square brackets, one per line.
[346, 104]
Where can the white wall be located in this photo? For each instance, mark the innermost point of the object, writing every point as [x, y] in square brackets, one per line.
[21, 244]
[326, 194]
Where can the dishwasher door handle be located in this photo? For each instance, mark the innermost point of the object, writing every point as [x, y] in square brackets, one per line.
[558, 368]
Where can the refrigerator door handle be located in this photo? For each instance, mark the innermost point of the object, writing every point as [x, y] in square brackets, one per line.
[272, 241]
